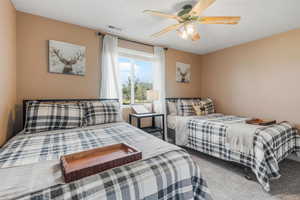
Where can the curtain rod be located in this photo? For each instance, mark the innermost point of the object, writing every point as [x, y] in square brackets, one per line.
[102, 34]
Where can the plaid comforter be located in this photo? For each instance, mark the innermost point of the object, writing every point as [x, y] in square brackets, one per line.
[166, 171]
[271, 145]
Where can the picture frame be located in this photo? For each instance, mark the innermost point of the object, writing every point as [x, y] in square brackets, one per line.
[183, 72]
[66, 58]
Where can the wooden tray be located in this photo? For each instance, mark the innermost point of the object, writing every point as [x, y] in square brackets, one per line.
[78, 165]
[261, 122]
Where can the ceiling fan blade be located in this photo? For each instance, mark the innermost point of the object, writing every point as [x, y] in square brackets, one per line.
[211, 22]
[200, 7]
[231, 19]
[169, 28]
[196, 37]
[161, 14]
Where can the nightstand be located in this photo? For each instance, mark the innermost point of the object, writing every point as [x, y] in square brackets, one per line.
[152, 129]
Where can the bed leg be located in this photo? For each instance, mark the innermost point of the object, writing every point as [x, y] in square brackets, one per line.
[247, 173]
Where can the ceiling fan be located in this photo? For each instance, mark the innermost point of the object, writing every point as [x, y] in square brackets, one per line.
[188, 17]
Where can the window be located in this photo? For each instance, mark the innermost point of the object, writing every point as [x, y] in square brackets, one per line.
[136, 74]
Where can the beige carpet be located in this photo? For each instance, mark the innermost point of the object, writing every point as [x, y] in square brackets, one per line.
[226, 180]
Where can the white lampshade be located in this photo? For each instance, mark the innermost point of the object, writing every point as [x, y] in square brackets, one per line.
[152, 95]
[190, 28]
[182, 33]
[187, 30]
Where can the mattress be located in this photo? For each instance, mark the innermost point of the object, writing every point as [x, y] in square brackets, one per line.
[29, 165]
[271, 144]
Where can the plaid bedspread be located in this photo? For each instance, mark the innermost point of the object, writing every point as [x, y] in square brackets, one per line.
[166, 171]
[271, 145]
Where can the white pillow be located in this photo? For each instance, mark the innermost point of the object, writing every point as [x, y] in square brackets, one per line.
[172, 108]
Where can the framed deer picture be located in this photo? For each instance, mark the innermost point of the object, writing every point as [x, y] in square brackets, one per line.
[183, 72]
[66, 58]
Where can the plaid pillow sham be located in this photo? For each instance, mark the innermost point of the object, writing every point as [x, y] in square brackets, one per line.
[185, 107]
[102, 112]
[42, 117]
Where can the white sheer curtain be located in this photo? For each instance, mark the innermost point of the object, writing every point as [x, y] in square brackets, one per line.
[159, 83]
[110, 75]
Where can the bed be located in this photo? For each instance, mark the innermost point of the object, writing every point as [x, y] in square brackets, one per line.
[29, 164]
[209, 134]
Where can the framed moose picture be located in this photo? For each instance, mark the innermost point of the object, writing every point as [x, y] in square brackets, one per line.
[183, 72]
[66, 58]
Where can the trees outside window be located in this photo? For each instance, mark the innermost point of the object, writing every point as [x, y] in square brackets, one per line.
[136, 79]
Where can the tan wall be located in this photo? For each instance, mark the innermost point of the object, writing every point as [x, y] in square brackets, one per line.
[259, 79]
[175, 89]
[34, 81]
[7, 69]
[33, 78]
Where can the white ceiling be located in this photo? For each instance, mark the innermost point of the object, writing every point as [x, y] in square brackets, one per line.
[260, 18]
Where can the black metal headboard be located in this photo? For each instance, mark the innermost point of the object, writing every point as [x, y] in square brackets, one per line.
[58, 101]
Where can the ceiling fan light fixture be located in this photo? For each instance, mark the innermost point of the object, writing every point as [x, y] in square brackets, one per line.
[190, 28]
[182, 33]
[189, 17]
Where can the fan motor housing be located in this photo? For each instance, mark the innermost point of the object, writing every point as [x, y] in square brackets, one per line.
[185, 10]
